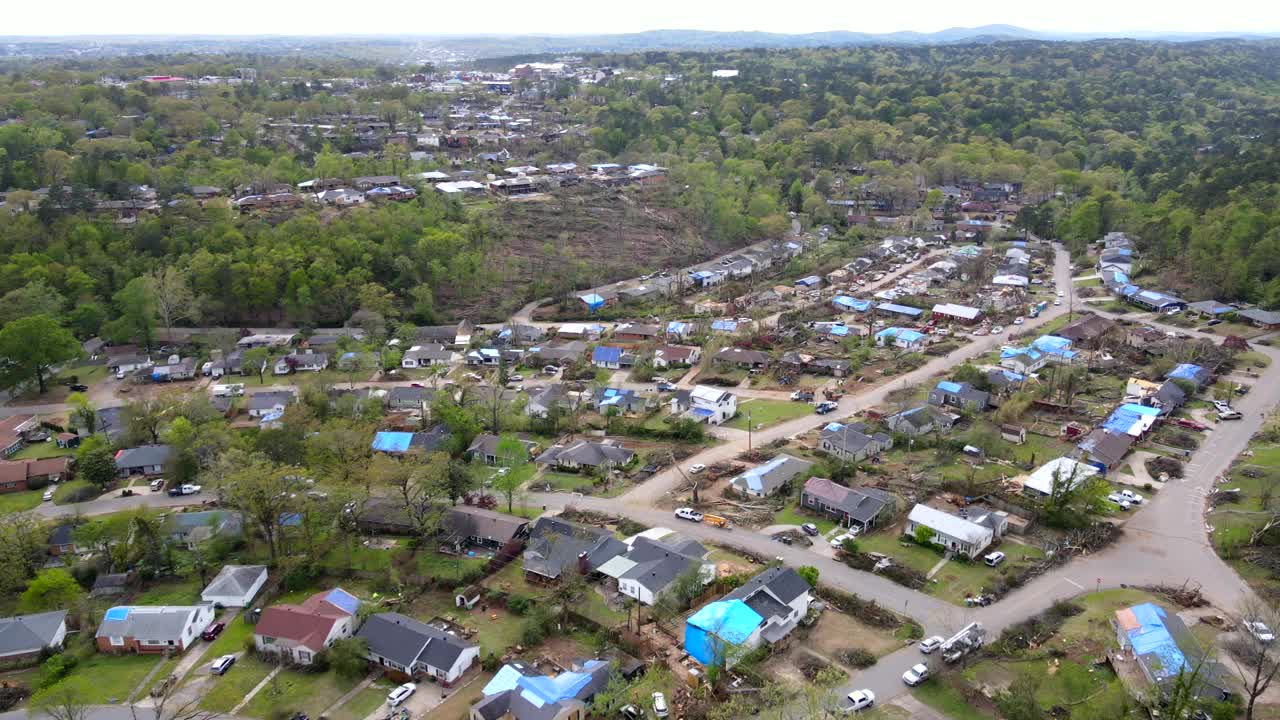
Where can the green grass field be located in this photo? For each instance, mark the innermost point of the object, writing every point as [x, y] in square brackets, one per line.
[793, 515]
[226, 691]
[956, 579]
[20, 501]
[294, 691]
[63, 494]
[364, 703]
[41, 450]
[766, 413]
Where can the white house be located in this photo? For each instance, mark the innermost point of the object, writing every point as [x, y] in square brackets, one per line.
[902, 338]
[654, 559]
[420, 356]
[953, 533]
[235, 585]
[152, 628]
[24, 637]
[706, 404]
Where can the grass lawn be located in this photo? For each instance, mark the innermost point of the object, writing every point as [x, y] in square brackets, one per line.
[511, 579]
[230, 641]
[1252, 358]
[938, 694]
[65, 490]
[765, 413]
[171, 592]
[460, 701]
[956, 579]
[293, 691]
[365, 702]
[565, 482]
[494, 635]
[45, 449]
[104, 678]
[20, 501]
[793, 515]
[226, 691]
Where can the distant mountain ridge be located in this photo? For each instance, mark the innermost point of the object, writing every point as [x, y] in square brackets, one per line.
[483, 45]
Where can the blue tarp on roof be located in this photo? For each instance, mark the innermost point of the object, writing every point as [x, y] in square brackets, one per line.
[117, 614]
[1030, 352]
[542, 690]
[1123, 418]
[1152, 638]
[753, 477]
[904, 334]
[387, 441]
[1051, 344]
[606, 354]
[701, 412]
[844, 302]
[675, 327]
[721, 623]
[832, 427]
[1187, 371]
[948, 386]
[343, 599]
[703, 275]
[900, 309]
[593, 301]
[725, 325]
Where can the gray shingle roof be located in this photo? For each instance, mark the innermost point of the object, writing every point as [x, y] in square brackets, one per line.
[29, 633]
[235, 579]
[555, 545]
[406, 641]
[148, 622]
[783, 583]
[142, 456]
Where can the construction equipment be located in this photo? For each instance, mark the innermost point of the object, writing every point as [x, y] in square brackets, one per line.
[716, 521]
[964, 642]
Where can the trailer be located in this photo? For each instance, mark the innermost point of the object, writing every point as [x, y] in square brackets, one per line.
[964, 642]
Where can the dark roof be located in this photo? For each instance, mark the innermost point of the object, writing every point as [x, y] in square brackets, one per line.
[61, 535]
[783, 583]
[467, 521]
[556, 544]
[406, 641]
[29, 633]
[861, 504]
[143, 455]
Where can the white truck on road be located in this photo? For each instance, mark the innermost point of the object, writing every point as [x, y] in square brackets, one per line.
[964, 642]
[228, 390]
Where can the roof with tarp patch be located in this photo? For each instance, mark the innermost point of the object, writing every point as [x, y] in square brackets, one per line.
[1132, 419]
[719, 623]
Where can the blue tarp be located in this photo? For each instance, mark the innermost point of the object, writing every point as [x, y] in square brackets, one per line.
[606, 354]
[1187, 371]
[1123, 418]
[1152, 638]
[844, 302]
[343, 599]
[905, 334]
[396, 442]
[542, 690]
[1051, 344]
[721, 623]
[593, 301]
[117, 613]
[724, 325]
[675, 327]
[753, 477]
[948, 386]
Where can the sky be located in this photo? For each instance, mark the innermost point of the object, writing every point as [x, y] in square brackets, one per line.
[328, 17]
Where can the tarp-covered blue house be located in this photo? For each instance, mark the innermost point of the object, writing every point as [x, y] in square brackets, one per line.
[1164, 648]
[593, 301]
[607, 357]
[718, 626]
[519, 691]
[850, 304]
[1132, 419]
[1190, 373]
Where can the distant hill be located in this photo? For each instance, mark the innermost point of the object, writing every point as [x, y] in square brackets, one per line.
[389, 47]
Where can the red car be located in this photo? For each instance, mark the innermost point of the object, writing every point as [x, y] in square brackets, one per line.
[1191, 424]
[213, 631]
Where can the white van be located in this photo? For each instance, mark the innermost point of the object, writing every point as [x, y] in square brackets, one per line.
[228, 390]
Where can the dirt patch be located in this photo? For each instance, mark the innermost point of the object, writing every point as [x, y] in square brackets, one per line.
[563, 650]
[836, 631]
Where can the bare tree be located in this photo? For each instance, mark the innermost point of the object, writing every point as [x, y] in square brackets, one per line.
[65, 701]
[1256, 660]
[175, 301]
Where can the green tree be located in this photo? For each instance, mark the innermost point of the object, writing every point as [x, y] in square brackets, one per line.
[350, 657]
[51, 589]
[31, 347]
[256, 359]
[95, 462]
[923, 535]
[136, 302]
[809, 573]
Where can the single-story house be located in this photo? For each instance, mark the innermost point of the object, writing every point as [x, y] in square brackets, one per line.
[485, 528]
[408, 397]
[25, 637]
[766, 479]
[271, 402]
[556, 546]
[706, 404]
[485, 449]
[921, 420]
[765, 609]
[676, 355]
[1166, 651]
[409, 649]
[903, 338]
[1104, 449]
[962, 314]
[399, 443]
[193, 528]
[297, 633]
[235, 585]
[650, 565]
[143, 460]
[1269, 319]
[420, 356]
[61, 540]
[959, 395]
[1060, 470]
[853, 507]
[851, 442]
[953, 533]
[145, 629]
[739, 357]
[582, 454]
[520, 692]
[1194, 374]
[16, 475]
[607, 357]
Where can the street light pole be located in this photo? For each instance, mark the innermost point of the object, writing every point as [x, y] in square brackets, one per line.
[748, 429]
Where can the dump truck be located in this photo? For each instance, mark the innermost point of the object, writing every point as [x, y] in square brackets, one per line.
[964, 642]
[716, 520]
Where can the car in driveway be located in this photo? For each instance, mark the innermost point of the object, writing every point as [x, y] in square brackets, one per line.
[696, 468]
[809, 529]
[184, 490]
[1120, 500]
[928, 645]
[1133, 497]
[686, 513]
[48, 495]
[400, 694]
[665, 387]
[222, 664]
[660, 708]
[213, 631]
[916, 675]
[837, 542]
[78, 387]
[858, 700]
[994, 559]
[1259, 631]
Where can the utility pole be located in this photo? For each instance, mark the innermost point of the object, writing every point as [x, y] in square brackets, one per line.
[748, 429]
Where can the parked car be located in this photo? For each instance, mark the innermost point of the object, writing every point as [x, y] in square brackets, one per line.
[783, 538]
[1221, 406]
[1229, 415]
[1060, 293]
[665, 386]
[916, 675]
[660, 708]
[184, 490]
[79, 387]
[222, 664]
[690, 514]
[696, 468]
[1119, 499]
[550, 369]
[825, 407]
[1259, 631]
[859, 700]
[994, 559]
[48, 495]
[1057, 301]
[997, 330]
[1215, 321]
[213, 631]
[930, 644]
[631, 712]
[157, 485]
[400, 694]
[809, 529]
[1132, 497]
[1019, 320]
[802, 396]
[837, 542]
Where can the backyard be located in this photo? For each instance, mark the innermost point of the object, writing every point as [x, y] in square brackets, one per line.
[957, 579]
[766, 413]
[511, 580]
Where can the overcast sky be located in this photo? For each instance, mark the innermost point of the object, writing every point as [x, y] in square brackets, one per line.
[324, 17]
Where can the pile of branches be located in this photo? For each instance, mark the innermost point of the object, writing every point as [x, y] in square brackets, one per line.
[1081, 541]
[1185, 595]
[1034, 631]
[1159, 465]
[897, 572]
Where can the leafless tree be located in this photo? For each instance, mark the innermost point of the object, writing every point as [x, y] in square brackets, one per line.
[1256, 661]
